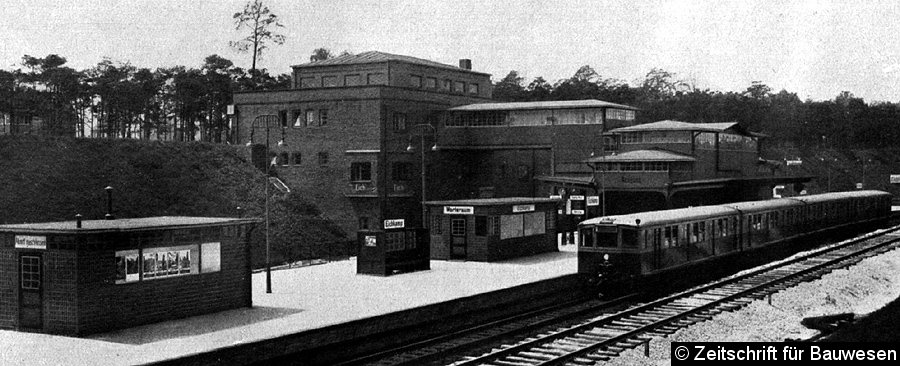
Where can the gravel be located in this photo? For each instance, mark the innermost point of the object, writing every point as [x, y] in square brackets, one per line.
[860, 289]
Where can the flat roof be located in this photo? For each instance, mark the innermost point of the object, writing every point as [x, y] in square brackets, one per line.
[662, 216]
[494, 201]
[567, 179]
[369, 57]
[134, 224]
[556, 104]
[641, 155]
[669, 125]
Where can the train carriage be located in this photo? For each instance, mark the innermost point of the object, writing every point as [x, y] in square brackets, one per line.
[656, 243]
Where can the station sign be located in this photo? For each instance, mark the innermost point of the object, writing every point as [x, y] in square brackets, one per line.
[394, 224]
[230, 110]
[522, 208]
[459, 210]
[578, 212]
[576, 197]
[31, 242]
[895, 178]
[593, 200]
[794, 162]
[555, 196]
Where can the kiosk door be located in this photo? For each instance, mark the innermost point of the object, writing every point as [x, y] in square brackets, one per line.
[458, 238]
[30, 298]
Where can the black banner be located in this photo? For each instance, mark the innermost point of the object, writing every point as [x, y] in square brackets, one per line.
[692, 353]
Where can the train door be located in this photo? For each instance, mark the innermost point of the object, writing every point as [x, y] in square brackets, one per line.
[31, 314]
[458, 238]
[657, 248]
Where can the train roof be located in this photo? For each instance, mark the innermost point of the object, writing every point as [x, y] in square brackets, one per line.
[663, 216]
[771, 204]
[815, 198]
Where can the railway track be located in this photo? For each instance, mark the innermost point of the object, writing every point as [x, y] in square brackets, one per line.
[605, 337]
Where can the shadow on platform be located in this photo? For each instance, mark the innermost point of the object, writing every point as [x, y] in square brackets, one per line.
[197, 325]
[878, 326]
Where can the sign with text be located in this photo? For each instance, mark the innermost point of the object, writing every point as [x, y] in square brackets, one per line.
[523, 208]
[459, 210]
[394, 224]
[578, 212]
[895, 178]
[555, 196]
[576, 197]
[593, 200]
[31, 242]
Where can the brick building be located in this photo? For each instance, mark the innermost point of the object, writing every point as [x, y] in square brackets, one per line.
[76, 278]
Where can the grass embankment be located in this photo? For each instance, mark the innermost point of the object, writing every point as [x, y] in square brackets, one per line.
[841, 169]
[52, 179]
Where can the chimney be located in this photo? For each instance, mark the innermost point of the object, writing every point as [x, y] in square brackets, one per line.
[465, 64]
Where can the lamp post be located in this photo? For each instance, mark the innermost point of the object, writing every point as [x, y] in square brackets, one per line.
[266, 121]
[425, 127]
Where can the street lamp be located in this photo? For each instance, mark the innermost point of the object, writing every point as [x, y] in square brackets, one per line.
[425, 128]
[266, 121]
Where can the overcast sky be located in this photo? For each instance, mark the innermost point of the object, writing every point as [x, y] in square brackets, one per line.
[813, 48]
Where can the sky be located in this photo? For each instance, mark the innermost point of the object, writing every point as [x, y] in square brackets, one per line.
[815, 49]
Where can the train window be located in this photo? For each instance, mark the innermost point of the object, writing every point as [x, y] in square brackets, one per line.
[702, 234]
[675, 235]
[607, 238]
[695, 233]
[587, 237]
[668, 236]
[629, 238]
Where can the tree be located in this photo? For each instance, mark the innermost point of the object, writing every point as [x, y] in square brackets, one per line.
[321, 54]
[510, 88]
[259, 21]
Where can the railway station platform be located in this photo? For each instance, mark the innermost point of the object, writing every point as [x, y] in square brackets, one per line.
[325, 305]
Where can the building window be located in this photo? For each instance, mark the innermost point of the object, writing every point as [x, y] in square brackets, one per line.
[459, 87]
[364, 222]
[415, 81]
[481, 225]
[361, 172]
[323, 117]
[431, 83]
[375, 78]
[399, 121]
[329, 81]
[401, 171]
[298, 118]
[168, 262]
[619, 114]
[352, 80]
[394, 241]
[445, 84]
[284, 159]
[310, 117]
[458, 227]
[323, 158]
[306, 83]
[30, 272]
[127, 267]
[436, 221]
[297, 158]
[473, 88]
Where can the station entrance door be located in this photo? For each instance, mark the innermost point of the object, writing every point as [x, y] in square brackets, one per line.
[458, 238]
[30, 289]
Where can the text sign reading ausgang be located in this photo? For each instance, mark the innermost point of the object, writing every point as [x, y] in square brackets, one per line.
[523, 208]
[593, 200]
[459, 210]
[31, 242]
[394, 224]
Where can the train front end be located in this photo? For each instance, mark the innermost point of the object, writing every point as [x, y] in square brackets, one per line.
[609, 252]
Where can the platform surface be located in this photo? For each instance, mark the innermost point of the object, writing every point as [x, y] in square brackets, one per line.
[303, 299]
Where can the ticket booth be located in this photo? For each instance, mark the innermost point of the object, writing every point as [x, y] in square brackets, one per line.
[492, 229]
[394, 250]
[81, 277]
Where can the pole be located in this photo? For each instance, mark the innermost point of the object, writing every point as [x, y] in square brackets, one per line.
[422, 173]
[268, 262]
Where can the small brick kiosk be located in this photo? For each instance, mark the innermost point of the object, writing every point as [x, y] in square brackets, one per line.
[81, 277]
[491, 229]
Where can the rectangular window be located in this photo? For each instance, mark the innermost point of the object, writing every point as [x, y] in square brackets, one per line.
[458, 227]
[323, 158]
[415, 81]
[30, 272]
[310, 117]
[375, 79]
[323, 117]
[394, 241]
[329, 81]
[511, 226]
[361, 172]
[168, 262]
[481, 225]
[298, 118]
[352, 80]
[459, 87]
[401, 171]
[431, 83]
[284, 159]
[445, 84]
[306, 83]
[436, 222]
[473, 89]
[364, 223]
[297, 158]
[210, 257]
[399, 121]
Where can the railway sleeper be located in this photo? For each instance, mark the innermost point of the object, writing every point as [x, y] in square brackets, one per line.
[583, 361]
[550, 350]
[588, 337]
[569, 345]
[580, 341]
[527, 360]
[626, 322]
[535, 353]
[510, 363]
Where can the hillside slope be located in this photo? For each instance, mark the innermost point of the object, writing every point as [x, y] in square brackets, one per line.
[52, 179]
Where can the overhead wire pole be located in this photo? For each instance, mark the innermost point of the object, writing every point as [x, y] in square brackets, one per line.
[266, 120]
[422, 168]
